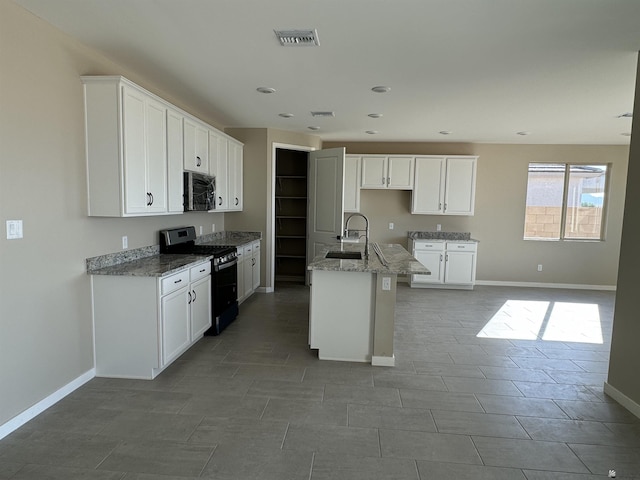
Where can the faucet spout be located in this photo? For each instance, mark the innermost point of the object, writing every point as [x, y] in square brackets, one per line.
[366, 238]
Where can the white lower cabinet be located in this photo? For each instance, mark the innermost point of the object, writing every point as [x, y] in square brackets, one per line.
[248, 270]
[142, 324]
[452, 264]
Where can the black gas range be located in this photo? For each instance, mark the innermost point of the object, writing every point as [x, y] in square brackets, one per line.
[224, 272]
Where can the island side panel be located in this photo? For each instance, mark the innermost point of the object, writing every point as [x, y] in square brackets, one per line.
[384, 323]
[342, 314]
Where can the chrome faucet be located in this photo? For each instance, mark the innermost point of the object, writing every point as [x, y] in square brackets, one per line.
[366, 238]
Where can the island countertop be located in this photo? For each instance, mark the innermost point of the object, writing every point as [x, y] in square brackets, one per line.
[397, 260]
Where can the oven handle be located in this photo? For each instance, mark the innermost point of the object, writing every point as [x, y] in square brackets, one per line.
[226, 265]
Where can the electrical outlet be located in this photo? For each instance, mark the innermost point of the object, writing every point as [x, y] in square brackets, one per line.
[213, 228]
[391, 225]
[201, 229]
[125, 242]
[539, 267]
[14, 229]
[386, 283]
[438, 228]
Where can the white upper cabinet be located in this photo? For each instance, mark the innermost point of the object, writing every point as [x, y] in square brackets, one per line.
[126, 145]
[387, 171]
[175, 151]
[225, 163]
[444, 185]
[196, 145]
[138, 146]
[351, 195]
[236, 160]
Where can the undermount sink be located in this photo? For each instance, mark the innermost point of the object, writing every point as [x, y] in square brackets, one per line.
[344, 255]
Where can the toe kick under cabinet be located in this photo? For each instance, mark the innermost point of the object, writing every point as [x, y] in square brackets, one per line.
[452, 264]
[142, 324]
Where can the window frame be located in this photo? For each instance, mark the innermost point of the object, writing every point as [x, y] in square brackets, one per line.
[565, 193]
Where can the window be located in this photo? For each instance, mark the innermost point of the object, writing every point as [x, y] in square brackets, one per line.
[565, 201]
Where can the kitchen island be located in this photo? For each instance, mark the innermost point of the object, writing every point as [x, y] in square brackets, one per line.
[352, 307]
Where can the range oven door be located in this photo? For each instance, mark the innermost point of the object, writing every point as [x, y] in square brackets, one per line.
[225, 287]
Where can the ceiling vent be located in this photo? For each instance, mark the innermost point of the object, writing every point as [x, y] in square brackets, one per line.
[323, 114]
[298, 38]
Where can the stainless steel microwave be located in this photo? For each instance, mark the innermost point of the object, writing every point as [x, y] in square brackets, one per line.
[199, 192]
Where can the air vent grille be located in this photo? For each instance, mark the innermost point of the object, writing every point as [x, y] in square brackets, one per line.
[298, 38]
[323, 114]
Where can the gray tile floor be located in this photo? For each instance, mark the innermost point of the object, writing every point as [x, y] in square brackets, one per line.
[496, 383]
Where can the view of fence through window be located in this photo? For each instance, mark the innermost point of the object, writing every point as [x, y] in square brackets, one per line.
[565, 201]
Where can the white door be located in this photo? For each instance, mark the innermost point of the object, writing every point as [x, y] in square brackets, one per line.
[400, 173]
[326, 206]
[200, 307]
[136, 196]
[374, 171]
[156, 152]
[460, 186]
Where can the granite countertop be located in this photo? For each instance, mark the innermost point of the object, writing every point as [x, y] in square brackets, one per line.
[229, 239]
[153, 266]
[442, 236]
[398, 260]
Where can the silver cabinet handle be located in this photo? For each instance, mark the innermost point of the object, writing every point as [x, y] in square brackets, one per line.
[178, 281]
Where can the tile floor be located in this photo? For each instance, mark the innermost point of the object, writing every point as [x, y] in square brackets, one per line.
[496, 383]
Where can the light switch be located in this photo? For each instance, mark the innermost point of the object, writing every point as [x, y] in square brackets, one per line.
[14, 229]
[386, 283]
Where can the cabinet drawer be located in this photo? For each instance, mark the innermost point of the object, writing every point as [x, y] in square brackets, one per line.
[175, 282]
[427, 245]
[248, 250]
[461, 247]
[200, 271]
[256, 247]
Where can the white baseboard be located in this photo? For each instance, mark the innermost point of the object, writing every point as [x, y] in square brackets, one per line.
[573, 286]
[378, 361]
[622, 399]
[19, 420]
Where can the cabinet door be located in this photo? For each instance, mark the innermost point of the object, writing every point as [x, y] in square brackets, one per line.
[460, 186]
[235, 176]
[433, 260]
[200, 307]
[156, 155]
[196, 146]
[351, 183]
[256, 266]
[247, 266]
[175, 184]
[460, 268]
[374, 172]
[175, 324]
[241, 288]
[400, 173]
[136, 195]
[428, 190]
[219, 168]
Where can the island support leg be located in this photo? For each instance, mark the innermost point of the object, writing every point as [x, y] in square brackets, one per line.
[384, 320]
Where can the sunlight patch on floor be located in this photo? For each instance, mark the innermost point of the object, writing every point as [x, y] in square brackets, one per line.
[549, 321]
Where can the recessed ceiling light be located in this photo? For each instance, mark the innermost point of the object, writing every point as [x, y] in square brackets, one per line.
[372, 132]
[313, 128]
[445, 132]
[266, 90]
[625, 115]
[375, 115]
[381, 89]
[523, 133]
[286, 115]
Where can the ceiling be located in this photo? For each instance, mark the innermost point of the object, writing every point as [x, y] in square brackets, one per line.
[483, 70]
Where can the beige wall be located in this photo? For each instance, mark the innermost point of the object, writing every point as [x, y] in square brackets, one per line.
[45, 311]
[625, 351]
[503, 255]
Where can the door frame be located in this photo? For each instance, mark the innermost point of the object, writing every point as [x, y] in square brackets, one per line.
[270, 262]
